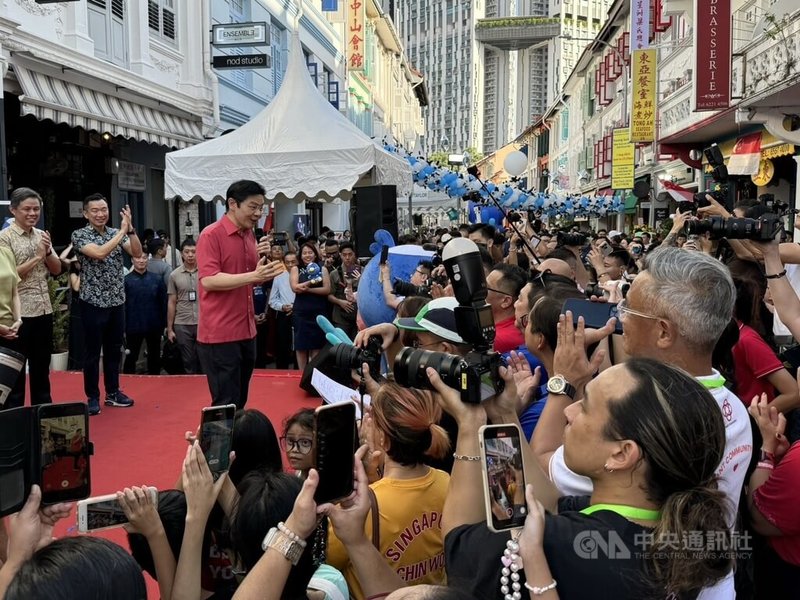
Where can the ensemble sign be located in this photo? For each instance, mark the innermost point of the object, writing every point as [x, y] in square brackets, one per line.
[643, 110]
[712, 42]
[240, 34]
[622, 160]
[242, 61]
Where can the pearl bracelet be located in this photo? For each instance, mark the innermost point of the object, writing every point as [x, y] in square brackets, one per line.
[540, 591]
[291, 534]
[466, 457]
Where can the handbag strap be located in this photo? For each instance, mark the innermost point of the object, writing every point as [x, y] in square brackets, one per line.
[376, 519]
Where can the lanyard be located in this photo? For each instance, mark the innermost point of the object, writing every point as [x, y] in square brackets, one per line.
[629, 512]
[713, 384]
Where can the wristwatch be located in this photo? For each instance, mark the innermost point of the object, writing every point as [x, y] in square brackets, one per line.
[276, 540]
[558, 385]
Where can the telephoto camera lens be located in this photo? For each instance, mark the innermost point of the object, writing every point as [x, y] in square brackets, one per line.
[410, 365]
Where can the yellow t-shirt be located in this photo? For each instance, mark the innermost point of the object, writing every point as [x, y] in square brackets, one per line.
[410, 530]
[8, 283]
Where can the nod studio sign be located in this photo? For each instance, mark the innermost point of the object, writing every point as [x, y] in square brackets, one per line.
[242, 61]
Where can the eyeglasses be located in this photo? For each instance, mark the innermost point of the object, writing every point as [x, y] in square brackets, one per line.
[415, 343]
[499, 292]
[303, 445]
[423, 273]
[255, 209]
[623, 311]
[539, 279]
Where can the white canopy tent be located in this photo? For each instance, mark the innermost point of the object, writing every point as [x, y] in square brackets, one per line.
[299, 147]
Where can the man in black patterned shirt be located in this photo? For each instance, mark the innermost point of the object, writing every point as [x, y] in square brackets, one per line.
[102, 297]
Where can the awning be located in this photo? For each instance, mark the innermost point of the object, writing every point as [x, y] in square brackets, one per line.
[630, 204]
[47, 96]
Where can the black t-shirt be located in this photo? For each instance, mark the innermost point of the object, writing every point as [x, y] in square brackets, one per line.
[574, 553]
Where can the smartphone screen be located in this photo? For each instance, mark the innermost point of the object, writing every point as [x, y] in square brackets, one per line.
[216, 437]
[64, 450]
[504, 477]
[384, 255]
[104, 512]
[335, 437]
[595, 314]
[101, 515]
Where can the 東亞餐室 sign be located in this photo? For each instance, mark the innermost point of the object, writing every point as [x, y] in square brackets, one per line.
[240, 34]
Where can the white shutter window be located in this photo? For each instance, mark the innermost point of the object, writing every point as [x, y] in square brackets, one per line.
[161, 19]
[107, 28]
[168, 19]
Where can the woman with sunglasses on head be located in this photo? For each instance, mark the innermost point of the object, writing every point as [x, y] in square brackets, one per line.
[408, 500]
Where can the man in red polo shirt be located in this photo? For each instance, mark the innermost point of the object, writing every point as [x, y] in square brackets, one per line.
[228, 267]
[504, 284]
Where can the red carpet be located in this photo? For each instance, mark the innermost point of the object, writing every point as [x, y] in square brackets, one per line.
[144, 445]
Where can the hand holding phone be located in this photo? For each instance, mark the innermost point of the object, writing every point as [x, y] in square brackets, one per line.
[504, 476]
[595, 314]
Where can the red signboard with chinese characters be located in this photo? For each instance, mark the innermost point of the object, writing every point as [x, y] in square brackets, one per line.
[712, 42]
[355, 34]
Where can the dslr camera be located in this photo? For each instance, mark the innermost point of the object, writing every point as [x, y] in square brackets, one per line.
[405, 288]
[565, 238]
[476, 376]
[763, 228]
[346, 356]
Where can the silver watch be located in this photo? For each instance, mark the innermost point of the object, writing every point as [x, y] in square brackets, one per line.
[276, 540]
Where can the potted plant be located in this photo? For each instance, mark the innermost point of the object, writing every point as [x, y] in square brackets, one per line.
[59, 286]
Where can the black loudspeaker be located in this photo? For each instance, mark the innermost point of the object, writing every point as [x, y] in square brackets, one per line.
[323, 362]
[371, 208]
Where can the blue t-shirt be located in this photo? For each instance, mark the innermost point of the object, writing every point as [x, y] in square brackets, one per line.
[530, 417]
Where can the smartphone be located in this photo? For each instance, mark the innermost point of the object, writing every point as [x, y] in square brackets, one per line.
[64, 452]
[595, 314]
[104, 512]
[335, 436]
[503, 476]
[606, 249]
[384, 255]
[216, 437]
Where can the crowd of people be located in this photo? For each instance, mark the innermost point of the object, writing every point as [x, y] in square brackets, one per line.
[661, 457]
